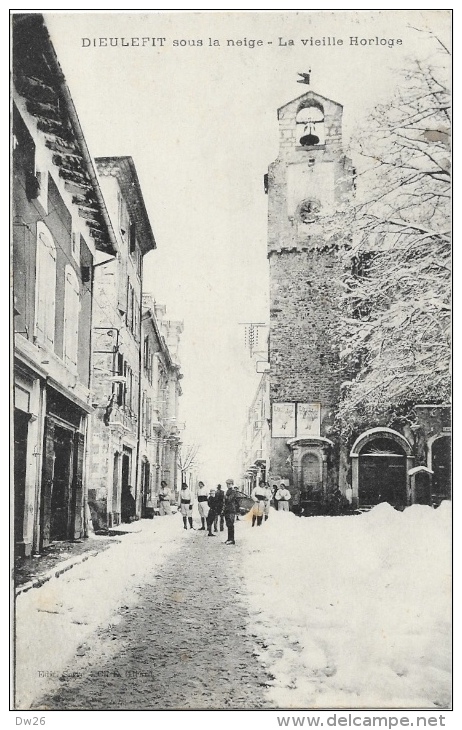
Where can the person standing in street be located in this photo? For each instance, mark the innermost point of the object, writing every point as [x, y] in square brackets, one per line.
[282, 497]
[220, 495]
[202, 506]
[186, 506]
[165, 497]
[230, 509]
[212, 514]
[273, 492]
[128, 505]
[266, 508]
[259, 496]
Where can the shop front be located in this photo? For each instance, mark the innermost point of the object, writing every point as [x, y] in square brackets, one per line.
[62, 509]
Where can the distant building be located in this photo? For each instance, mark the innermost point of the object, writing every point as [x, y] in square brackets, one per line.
[60, 226]
[400, 464]
[117, 348]
[256, 438]
[160, 391]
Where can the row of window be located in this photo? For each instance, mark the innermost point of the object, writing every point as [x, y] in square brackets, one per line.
[45, 300]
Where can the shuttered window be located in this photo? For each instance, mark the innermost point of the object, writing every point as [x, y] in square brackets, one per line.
[45, 286]
[71, 316]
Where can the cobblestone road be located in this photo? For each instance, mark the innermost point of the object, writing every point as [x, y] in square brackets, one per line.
[186, 644]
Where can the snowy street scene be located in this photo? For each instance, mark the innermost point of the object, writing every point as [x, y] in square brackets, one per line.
[183, 621]
[231, 348]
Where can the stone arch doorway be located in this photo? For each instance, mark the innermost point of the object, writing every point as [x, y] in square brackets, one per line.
[440, 464]
[382, 474]
[381, 459]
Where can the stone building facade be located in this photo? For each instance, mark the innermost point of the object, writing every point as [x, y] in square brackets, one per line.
[60, 227]
[399, 463]
[117, 348]
[256, 438]
[160, 392]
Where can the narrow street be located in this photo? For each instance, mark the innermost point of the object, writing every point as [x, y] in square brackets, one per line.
[165, 618]
[185, 644]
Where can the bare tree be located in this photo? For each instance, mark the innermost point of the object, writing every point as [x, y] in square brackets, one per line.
[187, 459]
[394, 328]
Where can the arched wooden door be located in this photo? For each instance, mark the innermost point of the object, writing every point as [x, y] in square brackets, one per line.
[382, 474]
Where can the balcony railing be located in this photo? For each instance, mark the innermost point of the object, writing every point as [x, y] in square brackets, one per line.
[121, 416]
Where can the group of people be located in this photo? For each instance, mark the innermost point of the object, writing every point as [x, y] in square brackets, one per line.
[214, 505]
[217, 507]
[262, 496]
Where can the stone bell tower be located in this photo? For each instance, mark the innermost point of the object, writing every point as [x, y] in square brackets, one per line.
[307, 184]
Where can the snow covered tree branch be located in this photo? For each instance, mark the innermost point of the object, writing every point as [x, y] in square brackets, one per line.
[394, 329]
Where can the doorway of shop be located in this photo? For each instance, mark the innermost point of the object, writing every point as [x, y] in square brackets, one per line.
[127, 497]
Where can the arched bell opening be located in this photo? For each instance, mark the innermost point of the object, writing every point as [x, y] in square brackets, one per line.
[310, 125]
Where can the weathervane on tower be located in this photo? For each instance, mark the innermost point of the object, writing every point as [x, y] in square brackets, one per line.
[305, 78]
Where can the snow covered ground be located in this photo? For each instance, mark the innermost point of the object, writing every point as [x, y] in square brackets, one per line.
[346, 612]
[56, 620]
[353, 612]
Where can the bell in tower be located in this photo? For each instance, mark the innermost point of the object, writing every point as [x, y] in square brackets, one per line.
[312, 120]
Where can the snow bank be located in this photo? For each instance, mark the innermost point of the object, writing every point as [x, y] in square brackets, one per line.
[353, 612]
[65, 611]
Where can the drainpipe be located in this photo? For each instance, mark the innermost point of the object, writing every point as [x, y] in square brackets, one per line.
[140, 363]
[38, 453]
[89, 418]
[86, 470]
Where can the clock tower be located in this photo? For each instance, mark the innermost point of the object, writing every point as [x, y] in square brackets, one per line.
[307, 185]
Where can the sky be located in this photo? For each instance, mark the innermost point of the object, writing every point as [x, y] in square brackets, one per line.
[200, 122]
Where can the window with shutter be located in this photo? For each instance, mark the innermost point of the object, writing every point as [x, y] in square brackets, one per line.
[146, 354]
[71, 316]
[132, 238]
[143, 412]
[45, 286]
[149, 416]
[136, 319]
[124, 221]
[130, 307]
[126, 399]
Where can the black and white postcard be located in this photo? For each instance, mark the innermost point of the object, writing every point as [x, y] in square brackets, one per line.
[231, 261]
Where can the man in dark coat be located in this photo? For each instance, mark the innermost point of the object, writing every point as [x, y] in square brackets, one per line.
[230, 509]
[213, 513]
[220, 495]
